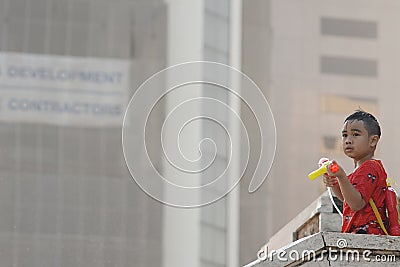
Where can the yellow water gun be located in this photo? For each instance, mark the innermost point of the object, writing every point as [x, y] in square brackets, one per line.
[323, 169]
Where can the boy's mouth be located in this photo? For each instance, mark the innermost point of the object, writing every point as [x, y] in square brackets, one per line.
[348, 149]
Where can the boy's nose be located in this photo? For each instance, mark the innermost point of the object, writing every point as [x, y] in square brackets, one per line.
[348, 141]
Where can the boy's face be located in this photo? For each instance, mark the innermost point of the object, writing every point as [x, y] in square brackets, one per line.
[357, 144]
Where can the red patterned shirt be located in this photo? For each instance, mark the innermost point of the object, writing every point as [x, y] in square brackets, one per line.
[370, 180]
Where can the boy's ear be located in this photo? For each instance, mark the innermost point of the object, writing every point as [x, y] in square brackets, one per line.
[374, 140]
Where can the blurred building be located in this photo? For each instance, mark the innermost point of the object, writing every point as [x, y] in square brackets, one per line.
[67, 198]
[68, 70]
[318, 62]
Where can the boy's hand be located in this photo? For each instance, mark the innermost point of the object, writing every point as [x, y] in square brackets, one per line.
[339, 173]
[330, 181]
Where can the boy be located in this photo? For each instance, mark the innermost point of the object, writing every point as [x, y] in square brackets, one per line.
[360, 135]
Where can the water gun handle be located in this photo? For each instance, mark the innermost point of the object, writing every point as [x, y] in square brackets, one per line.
[321, 170]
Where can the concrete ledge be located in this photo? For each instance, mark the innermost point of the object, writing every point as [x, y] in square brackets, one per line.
[334, 249]
[319, 216]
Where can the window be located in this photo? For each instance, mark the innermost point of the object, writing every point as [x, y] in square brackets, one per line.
[348, 66]
[349, 28]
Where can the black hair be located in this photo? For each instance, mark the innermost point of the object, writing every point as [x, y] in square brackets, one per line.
[370, 122]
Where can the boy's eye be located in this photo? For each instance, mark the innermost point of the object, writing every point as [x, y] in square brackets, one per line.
[344, 135]
[356, 134]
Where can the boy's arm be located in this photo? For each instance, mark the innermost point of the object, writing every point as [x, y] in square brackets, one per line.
[338, 192]
[349, 193]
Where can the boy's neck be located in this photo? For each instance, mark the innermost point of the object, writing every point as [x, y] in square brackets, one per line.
[358, 163]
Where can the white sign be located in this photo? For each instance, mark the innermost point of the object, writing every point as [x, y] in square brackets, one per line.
[63, 90]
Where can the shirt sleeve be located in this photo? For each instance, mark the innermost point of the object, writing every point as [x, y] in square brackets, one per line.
[365, 179]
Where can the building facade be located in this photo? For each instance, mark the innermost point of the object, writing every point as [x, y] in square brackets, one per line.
[69, 68]
[318, 62]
